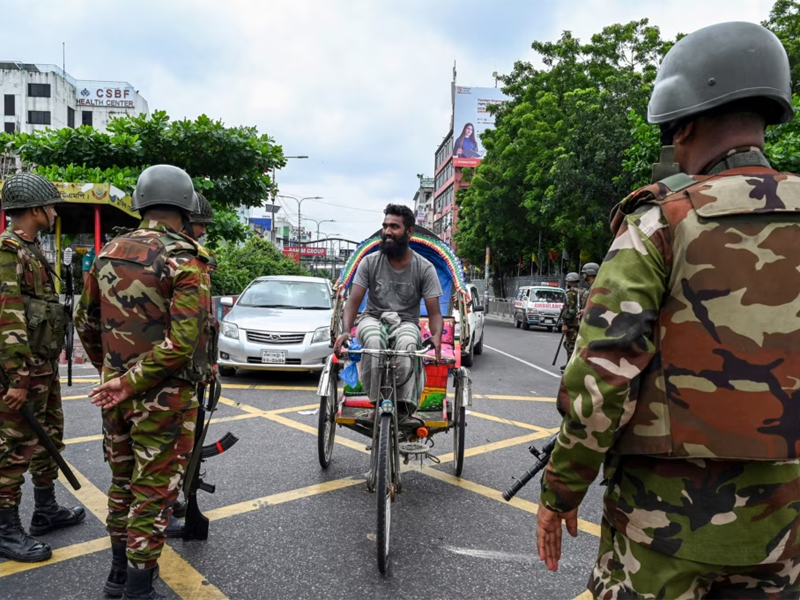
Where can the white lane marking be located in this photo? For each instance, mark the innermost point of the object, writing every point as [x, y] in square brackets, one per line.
[524, 362]
[493, 555]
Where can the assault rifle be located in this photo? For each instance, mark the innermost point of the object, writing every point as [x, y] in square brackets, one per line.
[542, 458]
[44, 439]
[69, 303]
[196, 523]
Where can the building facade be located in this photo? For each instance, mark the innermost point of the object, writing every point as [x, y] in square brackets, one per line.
[39, 96]
[423, 202]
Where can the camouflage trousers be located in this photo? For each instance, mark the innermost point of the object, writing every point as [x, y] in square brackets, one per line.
[626, 569]
[569, 341]
[20, 450]
[148, 452]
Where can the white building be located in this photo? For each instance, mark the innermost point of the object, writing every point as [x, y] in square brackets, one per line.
[37, 96]
[423, 202]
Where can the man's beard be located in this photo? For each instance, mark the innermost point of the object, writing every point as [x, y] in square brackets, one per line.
[394, 248]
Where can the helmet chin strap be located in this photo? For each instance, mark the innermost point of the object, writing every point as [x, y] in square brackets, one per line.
[187, 224]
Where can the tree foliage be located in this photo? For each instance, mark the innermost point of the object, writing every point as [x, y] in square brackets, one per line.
[239, 264]
[573, 140]
[230, 165]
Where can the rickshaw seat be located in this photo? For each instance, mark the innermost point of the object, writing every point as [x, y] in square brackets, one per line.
[451, 354]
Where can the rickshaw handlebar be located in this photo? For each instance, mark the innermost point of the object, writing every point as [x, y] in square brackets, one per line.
[388, 352]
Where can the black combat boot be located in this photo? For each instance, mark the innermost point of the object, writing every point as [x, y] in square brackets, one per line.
[48, 515]
[15, 543]
[139, 585]
[175, 528]
[119, 570]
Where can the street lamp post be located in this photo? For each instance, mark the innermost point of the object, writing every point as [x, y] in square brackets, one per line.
[299, 202]
[275, 182]
[318, 224]
[327, 235]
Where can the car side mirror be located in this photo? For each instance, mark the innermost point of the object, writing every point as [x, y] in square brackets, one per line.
[478, 309]
[226, 301]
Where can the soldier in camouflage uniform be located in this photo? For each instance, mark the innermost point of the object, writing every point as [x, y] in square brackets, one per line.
[32, 328]
[143, 322]
[589, 272]
[569, 315]
[199, 221]
[685, 380]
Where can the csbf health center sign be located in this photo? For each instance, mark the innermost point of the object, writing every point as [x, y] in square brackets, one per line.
[471, 117]
[92, 94]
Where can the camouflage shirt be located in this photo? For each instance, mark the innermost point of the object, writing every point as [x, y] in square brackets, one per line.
[115, 305]
[570, 310]
[706, 510]
[21, 275]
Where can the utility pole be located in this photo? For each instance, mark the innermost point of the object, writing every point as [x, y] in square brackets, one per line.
[274, 194]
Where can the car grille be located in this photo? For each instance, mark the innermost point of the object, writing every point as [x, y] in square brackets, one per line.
[266, 337]
[254, 360]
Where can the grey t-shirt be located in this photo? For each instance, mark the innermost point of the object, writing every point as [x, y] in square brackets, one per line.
[402, 291]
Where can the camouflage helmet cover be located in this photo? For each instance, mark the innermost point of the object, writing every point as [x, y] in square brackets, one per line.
[590, 269]
[28, 190]
[719, 65]
[165, 184]
[573, 277]
[205, 214]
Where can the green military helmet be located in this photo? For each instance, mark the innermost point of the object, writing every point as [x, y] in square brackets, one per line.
[721, 64]
[573, 277]
[212, 261]
[28, 190]
[590, 269]
[205, 214]
[165, 185]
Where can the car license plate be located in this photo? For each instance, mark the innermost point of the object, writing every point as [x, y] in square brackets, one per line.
[548, 319]
[273, 358]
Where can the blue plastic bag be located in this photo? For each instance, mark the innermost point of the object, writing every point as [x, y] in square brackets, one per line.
[350, 373]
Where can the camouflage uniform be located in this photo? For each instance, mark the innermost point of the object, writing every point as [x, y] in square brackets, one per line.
[153, 334]
[693, 316]
[570, 318]
[23, 279]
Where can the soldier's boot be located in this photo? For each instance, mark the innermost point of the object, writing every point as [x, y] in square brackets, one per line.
[139, 584]
[179, 509]
[48, 515]
[119, 571]
[175, 528]
[15, 543]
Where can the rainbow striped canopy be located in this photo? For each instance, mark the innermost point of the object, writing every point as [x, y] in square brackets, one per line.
[425, 243]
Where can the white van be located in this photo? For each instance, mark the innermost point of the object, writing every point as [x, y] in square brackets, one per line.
[538, 306]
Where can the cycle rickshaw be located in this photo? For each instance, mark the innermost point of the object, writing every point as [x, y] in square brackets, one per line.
[437, 411]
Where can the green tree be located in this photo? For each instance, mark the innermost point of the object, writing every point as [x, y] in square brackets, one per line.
[230, 165]
[784, 21]
[239, 264]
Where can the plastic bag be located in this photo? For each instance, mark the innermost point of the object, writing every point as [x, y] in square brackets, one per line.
[350, 373]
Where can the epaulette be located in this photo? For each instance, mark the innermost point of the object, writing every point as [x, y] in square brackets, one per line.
[10, 243]
[648, 194]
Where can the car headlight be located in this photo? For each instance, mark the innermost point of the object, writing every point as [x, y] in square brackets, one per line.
[533, 311]
[323, 334]
[230, 330]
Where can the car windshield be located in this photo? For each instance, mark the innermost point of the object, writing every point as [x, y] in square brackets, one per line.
[276, 293]
[547, 296]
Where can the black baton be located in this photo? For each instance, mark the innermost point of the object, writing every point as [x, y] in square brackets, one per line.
[48, 444]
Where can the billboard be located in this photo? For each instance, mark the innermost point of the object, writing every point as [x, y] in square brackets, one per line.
[470, 119]
[117, 95]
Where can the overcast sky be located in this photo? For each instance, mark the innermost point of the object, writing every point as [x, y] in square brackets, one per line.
[360, 86]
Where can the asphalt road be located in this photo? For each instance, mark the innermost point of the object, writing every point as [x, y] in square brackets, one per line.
[283, 527]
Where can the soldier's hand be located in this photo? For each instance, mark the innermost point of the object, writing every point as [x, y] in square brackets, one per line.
[111, 393]
[15, 398]
[548, 533]
[563, 329]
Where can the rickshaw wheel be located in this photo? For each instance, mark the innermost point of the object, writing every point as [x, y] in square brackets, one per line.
[458, 429]
[326, 429]
[384, 491]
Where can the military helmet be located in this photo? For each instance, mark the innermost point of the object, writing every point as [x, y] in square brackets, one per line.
[28, 190]
[212, 261]
[573, 277]
[721, 64]
[590, 269]
[165, 184]
[205, 214]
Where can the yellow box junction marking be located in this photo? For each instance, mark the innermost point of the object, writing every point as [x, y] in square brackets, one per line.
[59, 555]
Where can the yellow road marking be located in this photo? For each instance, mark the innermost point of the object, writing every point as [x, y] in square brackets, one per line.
[527, 398]
[259, 503]
[291, 388]
[93, 438]
[472, 413]
[74, 397]
[294, 408]
[176, 572]
[507, 443]
[587, 595]
[488, 492]
[59, 555]
[85, 380]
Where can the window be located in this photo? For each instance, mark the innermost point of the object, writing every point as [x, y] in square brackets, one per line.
[39, 90]
[39, 117]
[86, 117]
[70, 117]
[9, 127]
[8, 105]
